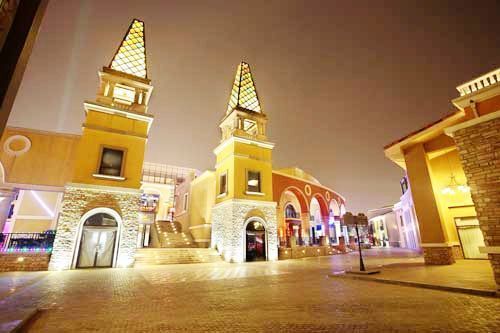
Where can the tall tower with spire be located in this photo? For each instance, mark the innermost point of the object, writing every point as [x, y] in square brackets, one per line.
[244, 205]
[98, 226]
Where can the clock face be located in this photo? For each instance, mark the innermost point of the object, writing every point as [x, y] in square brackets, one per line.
[124, 94]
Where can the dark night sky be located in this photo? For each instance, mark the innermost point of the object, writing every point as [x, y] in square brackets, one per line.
[338, 79]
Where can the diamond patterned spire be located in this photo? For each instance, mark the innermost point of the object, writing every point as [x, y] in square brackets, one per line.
[131, 55]
[244, 94]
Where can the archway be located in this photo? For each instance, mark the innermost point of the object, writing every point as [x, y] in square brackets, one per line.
[334, 222]
[98, 239]
[293, 217]
[319, 219]
[255, 240]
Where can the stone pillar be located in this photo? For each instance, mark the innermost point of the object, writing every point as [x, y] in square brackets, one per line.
[229, 220]
[80, 199]
[437, 251]
[478, 143]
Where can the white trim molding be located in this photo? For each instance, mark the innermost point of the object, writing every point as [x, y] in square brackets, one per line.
[261, 194]
[436, 244]
[490, 116]
[233, 139]
[247, 202]
[10, 139]
[489, 249]
[98, 175]
[83, 219]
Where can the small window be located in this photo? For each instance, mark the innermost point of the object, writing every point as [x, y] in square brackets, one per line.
[223, 183]
[111, 162]
[404, 185]
[253, 181]
[185, 202]
[124, 94]
[250, 126]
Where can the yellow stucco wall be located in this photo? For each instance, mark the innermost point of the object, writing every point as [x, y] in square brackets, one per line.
[31, 225]
[450, 206]
[426, 207]
[89, 152]
[236, 159]
[202, 198]
[49, 161]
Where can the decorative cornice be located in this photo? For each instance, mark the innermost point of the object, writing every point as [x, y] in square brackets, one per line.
[233, 139]
[490, 116]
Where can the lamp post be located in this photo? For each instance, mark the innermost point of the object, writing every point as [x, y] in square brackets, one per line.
[353, 220]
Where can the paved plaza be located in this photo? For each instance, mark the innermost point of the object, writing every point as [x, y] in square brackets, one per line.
[284, 296]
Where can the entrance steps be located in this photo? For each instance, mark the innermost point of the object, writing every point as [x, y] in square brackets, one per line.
[170, 256]
[170, 235]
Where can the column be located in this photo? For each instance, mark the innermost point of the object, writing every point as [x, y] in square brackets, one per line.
[437, 251]
[478, 143]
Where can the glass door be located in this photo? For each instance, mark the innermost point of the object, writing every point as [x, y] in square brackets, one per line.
[96, 248]
[104, 255]
[471, 238]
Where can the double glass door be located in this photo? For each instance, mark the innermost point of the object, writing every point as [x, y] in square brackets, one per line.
[97, 247]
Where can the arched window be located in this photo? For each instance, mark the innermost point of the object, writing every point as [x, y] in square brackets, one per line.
[290, 212]
[101, 220]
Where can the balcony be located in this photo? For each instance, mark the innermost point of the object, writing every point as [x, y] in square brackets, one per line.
[479, 83]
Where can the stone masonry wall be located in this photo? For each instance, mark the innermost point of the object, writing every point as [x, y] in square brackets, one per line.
[79, 200]
[479, 149]
[10, 262]
[228, 228]
[438, 255]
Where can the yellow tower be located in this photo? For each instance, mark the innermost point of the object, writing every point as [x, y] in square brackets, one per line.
[98, 222]
[244, 177]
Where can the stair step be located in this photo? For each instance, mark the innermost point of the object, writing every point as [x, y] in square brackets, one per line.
[168, 256]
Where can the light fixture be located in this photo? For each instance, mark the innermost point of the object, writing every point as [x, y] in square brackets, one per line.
[455, 186]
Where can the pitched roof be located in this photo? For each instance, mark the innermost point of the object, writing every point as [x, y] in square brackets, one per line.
[130, 57]
[244, 94]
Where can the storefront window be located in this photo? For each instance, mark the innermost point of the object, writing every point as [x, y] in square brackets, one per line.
[149, 202]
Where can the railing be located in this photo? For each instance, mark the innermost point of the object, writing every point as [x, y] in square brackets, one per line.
[27, 242]
[479, 83]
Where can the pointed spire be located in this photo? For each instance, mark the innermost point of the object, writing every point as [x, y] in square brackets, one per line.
[130, 57]
[244, 94]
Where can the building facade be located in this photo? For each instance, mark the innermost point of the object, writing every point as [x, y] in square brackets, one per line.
[396, 225]
[247, 209]
[453, 168]
[90, 200]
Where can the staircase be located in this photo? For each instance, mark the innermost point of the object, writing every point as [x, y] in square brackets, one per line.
[170, 235]
[169, 256]
[173, 246]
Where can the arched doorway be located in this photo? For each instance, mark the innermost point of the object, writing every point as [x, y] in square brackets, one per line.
[293, 225]
[255, 241]
[316, 223]
[334, 222]
[293, 218]
[98, 242]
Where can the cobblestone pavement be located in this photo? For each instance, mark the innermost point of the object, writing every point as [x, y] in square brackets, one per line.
[285, 296]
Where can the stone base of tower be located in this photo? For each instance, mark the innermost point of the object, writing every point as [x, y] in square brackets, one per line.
[229, 221]
[82, 201]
